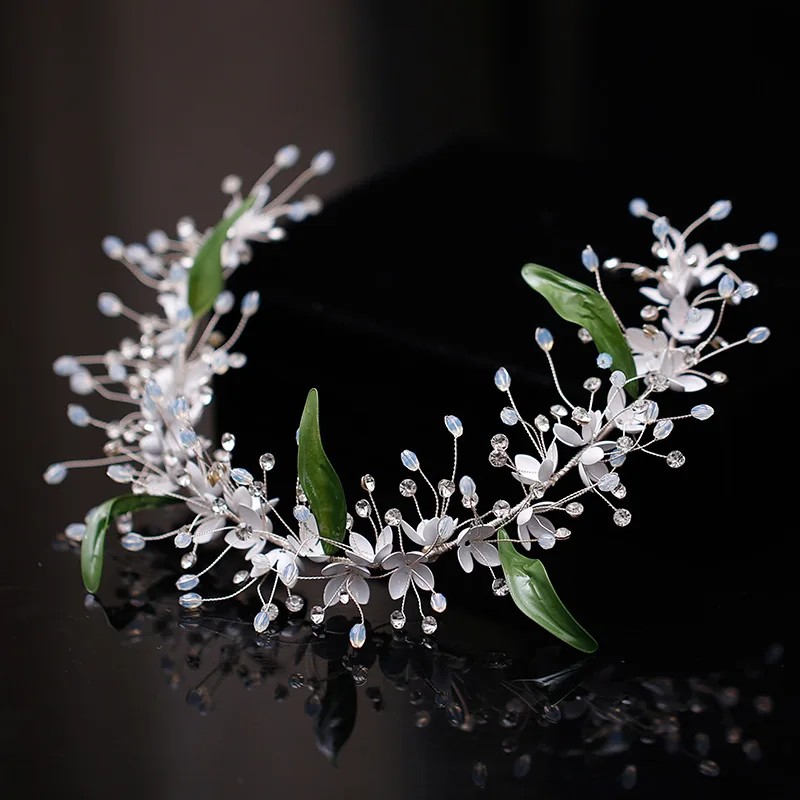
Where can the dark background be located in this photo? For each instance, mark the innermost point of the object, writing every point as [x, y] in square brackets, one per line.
[471, 138]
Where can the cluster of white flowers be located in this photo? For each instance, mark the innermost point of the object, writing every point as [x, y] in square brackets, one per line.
[164, 376]
[157, 449]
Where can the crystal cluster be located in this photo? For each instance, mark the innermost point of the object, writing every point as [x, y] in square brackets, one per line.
[166, 374]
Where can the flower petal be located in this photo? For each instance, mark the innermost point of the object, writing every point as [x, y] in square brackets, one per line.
[546, 470]
[591, 455]
[394, 560]
[423, 576]
[567, 435]
[333, 588]
[361, 547]
[527, 468]
[688, 383]
[465, 558]
[552, 454]
[486, 554]
[398, 583]
[359, 590]
[652, 294]
[207, 530]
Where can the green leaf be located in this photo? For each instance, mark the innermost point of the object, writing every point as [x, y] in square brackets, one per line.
[205, 276]
[98, 523]
[319, 480]
[576, 302]
[536, 598]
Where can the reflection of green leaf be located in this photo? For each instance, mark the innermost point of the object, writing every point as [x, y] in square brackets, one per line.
[97, 525]
[536, 598]
[336, 718]
[205, 276]
[576, 302]
[318, 479]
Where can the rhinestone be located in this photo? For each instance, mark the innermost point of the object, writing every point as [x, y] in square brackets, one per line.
[702, 411]
[663, 428]
[508, 416]
[363, 508]
[266, 462]
[498, 458]
[581, 416]
[295, 603]
[398, 619]
[500, 442]
[296, 680]
[657, 381]
[261, 621]
[188, 560]
[190, 600]
[690, 356]
[186, 582]
[718, 377]
[574, 509]
[469, 500]
[499, 587]
[408, 488]
[591, 384]
[228, 441]
[446, 487]
[558, 411]
[675, 459]
[708, 768]
[501, 508]
[272, 611]
[563, 533]
[537, 489]
[358, 635]
[604, 361]
[544, 339]
[542, 423]
[344, 597]
[438, 602]
[649, 313]
[619, 491]
[584, 335]
[240, 576]
[622, 517]
[348, 522]
[317, 614]
[392, 517]
[429, 624]
[134, 542]
[184, 479]
[502, 380]
[453, 424]
[625, 443]
[409, 461]
[368, 482]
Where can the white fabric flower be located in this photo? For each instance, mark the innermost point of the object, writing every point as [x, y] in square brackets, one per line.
[252, 225]
[364, 554]
[652, 353]
[531, 525]
[430, 531]
[350, 578]
[686, 269]
[407, 567]
[684, 322]
[584, 437]
[308, 544]
[530, 470]
[472, 545]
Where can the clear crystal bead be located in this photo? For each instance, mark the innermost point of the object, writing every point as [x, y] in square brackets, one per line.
[363, 508]
[368, 483]
[409, 460]
[502, 380]
[702, 411]
[663, 428]
[438, 602]
[408, 488]
[608, 482]
[133, 542]
[581, 416]
[317, 614]
[500, 441]
[508, 416]
[592, 384]
[295, 603]
[604, 360]
[544, 339]
[453, 424]
[501, 508]
[499, 587]
[266, 462]
[272, 611]
[188, 560]
[574, 509]
[709, 768]
[546, 541]
[183, 538]
[558, 411]
[121, 473]
[522, 766]
[429, 625]
[75, 531]
[542, 423]
[622, 517]
[627, 778]
[469, 500]
[446, 487]
[657, 381]
[190, 600]
[358, 635]
[498, 458]
[563, 533]
[392, 516]
[747, 290]
[675, 459]
[584, 335]
[619, 491]
[625, 443]
[219, 506]
[422, 719]
[397, 619]
[240, 576]
[537, 489]
[718, 377]
[479, 774]
[649, 313]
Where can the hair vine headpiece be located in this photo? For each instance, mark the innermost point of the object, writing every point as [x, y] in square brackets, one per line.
[164, 376]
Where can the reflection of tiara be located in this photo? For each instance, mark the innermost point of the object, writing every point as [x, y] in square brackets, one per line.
[165, 377]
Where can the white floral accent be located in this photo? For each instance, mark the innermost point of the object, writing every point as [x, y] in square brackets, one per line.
[430, 531]
[348, 578]
[407, 567]
[472, 546]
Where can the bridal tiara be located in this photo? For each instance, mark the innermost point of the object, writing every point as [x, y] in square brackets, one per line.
[162, 379]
